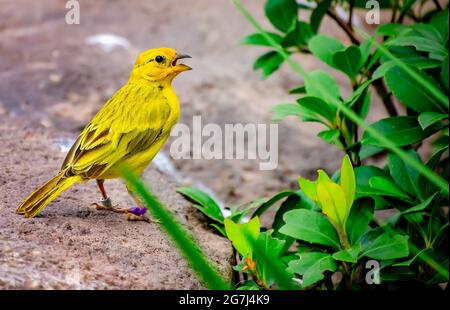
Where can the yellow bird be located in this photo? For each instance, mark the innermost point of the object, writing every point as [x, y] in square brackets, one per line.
[129, 129]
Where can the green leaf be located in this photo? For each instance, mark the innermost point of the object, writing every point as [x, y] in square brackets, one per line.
[318, 106]
[426, 187]
[361, 214]
[324, 48]
[270, 202]
[333, 202]
[287, 109]
[331, 136]
[366, 151]
[416, 61]
[310, 226]
[282, 13]
[348, 255]
[411, 93]
[260, 39]
[404, 175]
[386, 247]
[268, 62]
[204, 203]
[365, 49]
[440, 22]
[410, 261]
[299, 36]
[361, 90]
[295, 201]
[426, 119]
[387, 188]
[420, 62]
[297, 90]
[426, 31]
[310, 187]
[390, 29]
[401, 130]
[311, 266]
[293, 109]
[365, 105]
[382, 69]
[274, 250]
[436, 50]
[318, 14]
[324, 79]
[421, 206]
[220, 228]
[248, 285]
[444, 73]
[348, 61]
[347, 181]
[243, 236]
[238, 212]
[363, 175]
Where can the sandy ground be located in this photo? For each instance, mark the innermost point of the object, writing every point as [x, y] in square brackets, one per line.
[72, 245]
[52, 81]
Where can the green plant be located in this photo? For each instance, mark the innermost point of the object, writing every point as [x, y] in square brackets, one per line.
[332, 225]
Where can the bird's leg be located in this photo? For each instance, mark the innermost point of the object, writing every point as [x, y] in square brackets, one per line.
[105, 201]
[133, 214]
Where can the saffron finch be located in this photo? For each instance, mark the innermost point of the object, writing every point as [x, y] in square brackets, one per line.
[128, 130]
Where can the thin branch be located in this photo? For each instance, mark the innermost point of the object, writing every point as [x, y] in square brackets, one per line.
[350, 15]
[394, 12]
[379, 86]
[385, 96]
[438, 5]
[348, 30]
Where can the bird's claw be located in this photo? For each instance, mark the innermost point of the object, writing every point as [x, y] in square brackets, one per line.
[108, 208]
[133, 214]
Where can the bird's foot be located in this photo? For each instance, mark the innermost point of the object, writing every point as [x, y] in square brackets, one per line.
[105, 204]
[133, 214]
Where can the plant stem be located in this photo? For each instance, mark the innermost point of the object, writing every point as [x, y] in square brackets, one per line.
[350, 14]
[394, 12]
[385, 96]
[438, 5]
[348, 30]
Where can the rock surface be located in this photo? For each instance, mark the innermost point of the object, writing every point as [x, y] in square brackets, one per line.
[73, 246]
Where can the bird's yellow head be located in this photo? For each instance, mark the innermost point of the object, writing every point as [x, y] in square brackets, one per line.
[158, 64]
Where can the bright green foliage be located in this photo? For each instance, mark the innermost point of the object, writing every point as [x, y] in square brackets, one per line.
[311, 266]
[237, 234]
[335, 200]
[392, 211]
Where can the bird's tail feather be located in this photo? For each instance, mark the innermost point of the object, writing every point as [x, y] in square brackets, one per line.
[41, 197]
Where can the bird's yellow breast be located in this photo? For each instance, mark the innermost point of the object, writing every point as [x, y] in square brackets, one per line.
[159, 118]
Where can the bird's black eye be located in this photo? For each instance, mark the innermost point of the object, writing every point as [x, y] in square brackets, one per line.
[159, 59]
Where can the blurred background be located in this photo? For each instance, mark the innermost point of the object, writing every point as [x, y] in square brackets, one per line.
[57, 76]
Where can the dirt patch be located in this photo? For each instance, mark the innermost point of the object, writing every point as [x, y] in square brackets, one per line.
[73, 246]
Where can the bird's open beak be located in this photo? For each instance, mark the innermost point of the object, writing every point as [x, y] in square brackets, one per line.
[180, 67]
